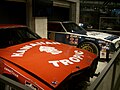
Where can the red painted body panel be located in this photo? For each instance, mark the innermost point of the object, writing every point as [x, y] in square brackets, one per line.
[37, 62]
[43, 60]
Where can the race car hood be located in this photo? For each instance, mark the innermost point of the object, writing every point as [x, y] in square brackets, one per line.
[103, 36]
[47, 60]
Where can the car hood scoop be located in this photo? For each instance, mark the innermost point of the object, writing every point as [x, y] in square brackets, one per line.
[51, 61]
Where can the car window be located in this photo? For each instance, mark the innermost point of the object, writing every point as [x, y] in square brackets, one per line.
[13, 36]
[74, 28]
[55, 27]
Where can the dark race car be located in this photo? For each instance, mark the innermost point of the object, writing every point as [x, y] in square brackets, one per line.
[43, 64]
[68, 32]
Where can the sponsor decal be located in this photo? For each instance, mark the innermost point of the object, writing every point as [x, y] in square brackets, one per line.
[34, 87]
[31, 85]
[18, 75]
[11, 71]
[93, 39]
[95, 34]
[76, 58]
[48, 49]
[21, 51]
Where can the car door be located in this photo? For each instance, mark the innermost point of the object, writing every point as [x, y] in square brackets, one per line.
[57, 33]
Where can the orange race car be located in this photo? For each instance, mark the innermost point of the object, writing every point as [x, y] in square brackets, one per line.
[43, 64]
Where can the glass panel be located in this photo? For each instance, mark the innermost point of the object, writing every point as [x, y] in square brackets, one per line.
[13, 36]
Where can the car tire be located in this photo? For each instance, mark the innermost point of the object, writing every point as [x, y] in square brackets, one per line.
[90, 46]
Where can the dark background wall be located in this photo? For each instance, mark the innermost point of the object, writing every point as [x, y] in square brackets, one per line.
[45, 8]
[59, 14]
[12, 12]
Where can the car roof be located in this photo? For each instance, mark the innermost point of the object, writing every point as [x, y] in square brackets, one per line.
[4, 26]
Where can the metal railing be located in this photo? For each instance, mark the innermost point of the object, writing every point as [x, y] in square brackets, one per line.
[109, 79]
[8, 84]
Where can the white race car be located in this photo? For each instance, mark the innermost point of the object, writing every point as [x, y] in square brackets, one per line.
[100, 43]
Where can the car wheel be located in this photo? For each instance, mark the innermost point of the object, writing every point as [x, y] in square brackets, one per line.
[90, 46]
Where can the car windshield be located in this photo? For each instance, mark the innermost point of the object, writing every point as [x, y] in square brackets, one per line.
[14, 36]
[74, 28]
